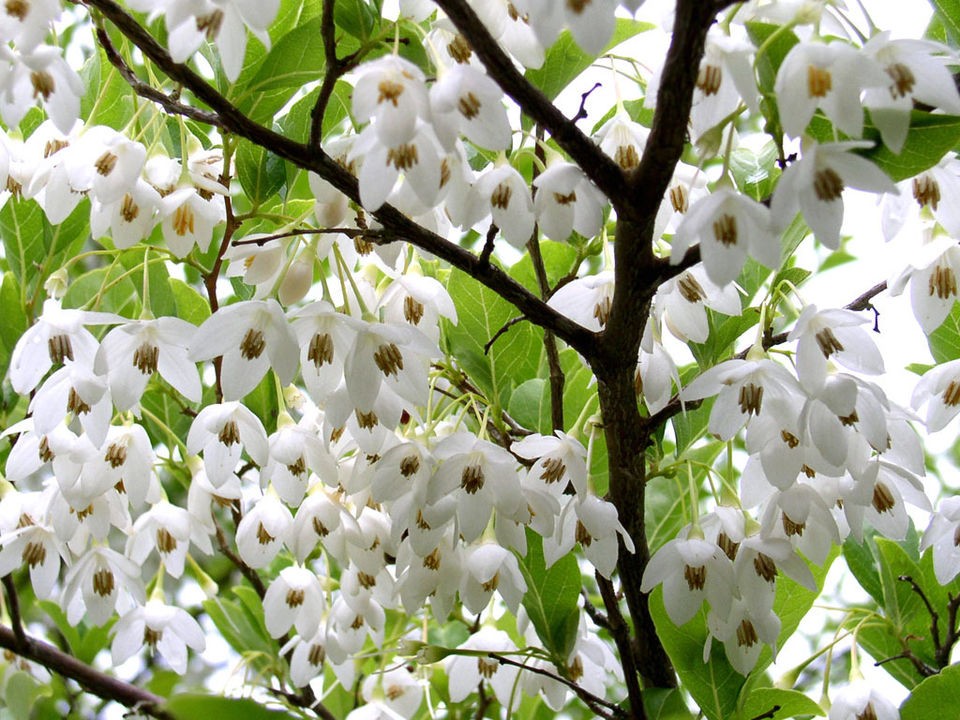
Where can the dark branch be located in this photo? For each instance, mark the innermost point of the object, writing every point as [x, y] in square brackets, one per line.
[396, 225]
[600, 168]
[94, 681]
[621, 637]
[501, 332]
[335, 69]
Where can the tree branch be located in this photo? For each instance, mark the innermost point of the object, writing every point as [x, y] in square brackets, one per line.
[335, 69]
[396, 225]
[92, 680]
[600, 168]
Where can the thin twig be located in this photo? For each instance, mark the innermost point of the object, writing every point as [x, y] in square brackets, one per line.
[502, 331]
[13, 605]
[599, 619]
[349, 232]
[943, 654]
[621, 637]
[582, 112]
[488, 242]
[146, 90]
[768, 714]
[934, 617]
[334, 70]
[593, 701]
[92, 680]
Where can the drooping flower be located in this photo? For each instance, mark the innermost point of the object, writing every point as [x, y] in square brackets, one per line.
[222, 432]
[567, 201]
[294, 599]
[164, 628]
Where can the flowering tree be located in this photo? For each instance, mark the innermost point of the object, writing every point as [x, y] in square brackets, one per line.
[347, 375]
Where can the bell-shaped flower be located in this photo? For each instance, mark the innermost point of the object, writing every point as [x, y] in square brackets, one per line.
[586, 300]
[392, 92]
[725, 78]
[129, 219]
[419, 300]
[324, 336]
[417, 160]
[939, 390]
[111, 161]
[94, 584]
[932, 275]
[917, 71]
[167, 529]
[729, 226]
[691, 570]
[624, 140]
[131, 353]
[435, 575]
[221, 432]
[504, 193]
[322, 519]
[294, 599]
[593, 523]
[743, 630]
[656, 374]
[163, 628]
[862, 700]
[57, 335]
[188, 219]
[28, 24]
[682, 302]
[125, 461]
[39, 73]
[490, 568]
[263, 530]
[296, 451]
[467, 671]
[829, 76]
[935, 190]
[832, 334]
[465, 100]
[511, 26]
[942, 535]
[32, 542]
[399, 690]
[73, 391]
[560, 459]
[251, 336]
[815, 183]
[567, 201]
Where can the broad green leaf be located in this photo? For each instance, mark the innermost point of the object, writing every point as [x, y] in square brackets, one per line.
[724, 331]
[296, 123]
[948, 13]
[357, 17]
[191, 306]
[552, 597]
[558, 261]
[936, 697]
[945, 340]
[109, 289]
[690, 426]
[109, 99]
[21, 228]
[243, 632]
[790, 703]
[294, 60]
[261, 173]
[663, 704]
[512, 359]
[85, 641]
[565, 60]
[187, 706]
[937, 31]
[714, 685]
[13, 323]
[530, 405]
[931, 137]
[863, 564]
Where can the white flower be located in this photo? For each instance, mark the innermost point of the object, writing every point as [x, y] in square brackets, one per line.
[167, 629]
[58, 334]
[623, 139]
[465, 672]
[835, 334]
[92, 586]
[594, 524]
[73, 390]
[932, 275]
[561, 458]
[917, 71]
[189, 219]
[828, 76]
[729, 226]
[586, 300]
[567, 201]
[391, 92]
[401, 690]
[862, 701]
[814, 185]
[490, 567]
[725, 78]
[941, 535]
[939, 390]
[466, 100]
[222, 431]
[131, 353]
[417, 159]
[128, 219]
[743, 630]
[43, 73]
[936, 189]
[251, 336]
[125, 461]
[112, 161]
[32, 542]
[691, 570]
[324, 337]
[681, 303]
[263, 531]
[296, 451]
[166, 528]
[294, 599]
[504, 193]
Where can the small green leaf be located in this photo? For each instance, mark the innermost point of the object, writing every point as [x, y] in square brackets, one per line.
[558, 261]
[936, 697]
[191, 306]
[756, 174]
[189, 706]
[663, 704]
[296, 123]
[13, 323]
[261, 173]
[530, 405]
[945, 340]
[789, 703]
[948, 13]
[296, 59]
[552, 597]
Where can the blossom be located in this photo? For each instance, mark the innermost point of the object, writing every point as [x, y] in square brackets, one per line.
[294, 599]
[504, 193]
[743, 630]
[251, 336]
[932, 276]
[465, 99]
[391, 91]
[417, 159]
[222, 431]
[41, 72]
[729, 226]
[94, 583]
[682, 302]
[829, 76]
[815, 184]
[862, 701]
[188, 219]
[167, 629]
[168, 529]
[594, 524]
[939, 390]
[567, 201]
[559, 457]
[491, 567]
[263, 531]
[32, 542]
[623, 139]
[467, 671]
[941, 535]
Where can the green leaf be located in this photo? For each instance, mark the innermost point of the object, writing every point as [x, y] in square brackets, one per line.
[862, 562]
[565, 60]
[21, 228]
[356, 17]
[513, 358]
[790, 703]
[191, 306]
[667, 507]
[776, 41]
[296, 59]
[530, 405]
[261, 173]
[936, 697]
[714, 685]
[552, 598]
[948, 13]
[187, 706]
[558, 262]
[756, 174]
[663, 704]
[945, 340]
[296, 123]
[21, 692]
[13, 323]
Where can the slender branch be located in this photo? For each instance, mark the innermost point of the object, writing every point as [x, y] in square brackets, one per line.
[146, 90]
[600, 168]
[621, 637]
[593, 701]
[335, 69]
[945, 650]
[396, 225]
[349, 232]
[13, 605]
[771, 713]
[934, 616]
[501, 332]
[92, 680]
[599, 619]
